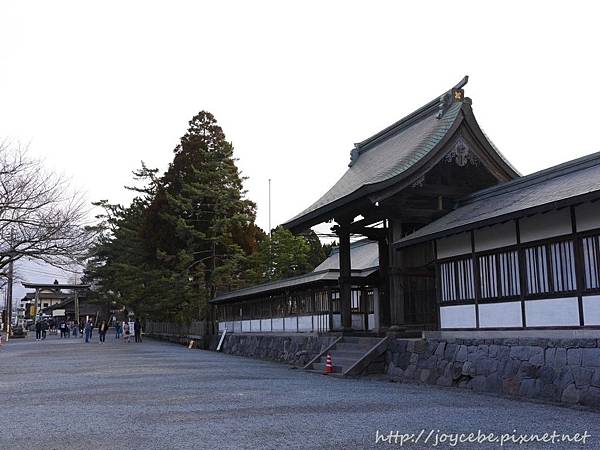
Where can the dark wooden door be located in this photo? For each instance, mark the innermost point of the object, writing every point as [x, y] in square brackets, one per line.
[420, 301]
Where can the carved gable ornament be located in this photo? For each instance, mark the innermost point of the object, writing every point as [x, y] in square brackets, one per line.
[461, 153]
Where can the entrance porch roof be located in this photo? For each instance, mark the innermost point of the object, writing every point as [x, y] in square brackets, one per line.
[395, 155]
[567, 184]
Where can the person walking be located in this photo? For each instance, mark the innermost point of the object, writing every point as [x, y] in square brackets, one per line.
[118, 330]
[88, 331]
[38, 330]
[102, 329]
[44, 329]
[137, 330]
[126, 332]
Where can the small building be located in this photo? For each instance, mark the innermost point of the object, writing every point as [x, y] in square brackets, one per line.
[47, 298]
[67, 301]
[524, 254]
[464, 242]
[306, 303]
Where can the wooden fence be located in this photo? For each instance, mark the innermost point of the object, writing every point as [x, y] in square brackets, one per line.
[198, 328]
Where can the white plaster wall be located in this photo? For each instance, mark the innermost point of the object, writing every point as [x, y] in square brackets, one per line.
[291, 324]
[375, 325]
[371, 321]
[459, 244]
[278, 324]
[459, 316]
[305, 323]
[541, 226]
[237, 326]
[246, 326]
[496, 236]
[337, 321]
[552, 312]
[591, 310]
[358, 322]
[265, 324]
[255, 326]
[588, 216]
[500, 315]
[222, 326]
[321, 322]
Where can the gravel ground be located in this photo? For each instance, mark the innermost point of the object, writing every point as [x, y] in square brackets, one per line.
[63, 394]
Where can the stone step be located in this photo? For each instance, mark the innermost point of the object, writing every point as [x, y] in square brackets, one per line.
[347, 353]
[320, 367]
[360, 340]
[353, 347]
[341, 361]
[410, 334]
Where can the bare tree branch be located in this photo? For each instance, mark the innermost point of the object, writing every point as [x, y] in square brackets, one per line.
[40, 217]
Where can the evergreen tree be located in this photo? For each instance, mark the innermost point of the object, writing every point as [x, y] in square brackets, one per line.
[285, 255]
[190, 234]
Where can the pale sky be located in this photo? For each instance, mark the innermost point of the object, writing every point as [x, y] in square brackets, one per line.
[95, 87]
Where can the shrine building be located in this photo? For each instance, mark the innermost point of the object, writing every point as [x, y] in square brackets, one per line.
[438, 232]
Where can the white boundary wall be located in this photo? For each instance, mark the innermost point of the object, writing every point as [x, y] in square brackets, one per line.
[551, 312]
[293, 324]
[591, 310]
[459, 316]
[500, 315]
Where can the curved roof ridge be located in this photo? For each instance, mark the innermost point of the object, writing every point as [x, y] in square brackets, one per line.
[396, 154]
[500, 154]
[408, 120]
[425, 145]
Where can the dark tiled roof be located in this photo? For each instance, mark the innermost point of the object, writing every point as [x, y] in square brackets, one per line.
[311, 277]
[365, 261]
[46, 295]
[557, 186]
[364, 254]
[385, 156]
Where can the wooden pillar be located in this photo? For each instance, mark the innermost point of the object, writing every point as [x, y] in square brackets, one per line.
[345, 278]
[384, 297]
[313, 308]
[395, 294]
[330, 309]
[579, 266]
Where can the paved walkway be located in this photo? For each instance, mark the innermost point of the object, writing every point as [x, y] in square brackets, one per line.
[63, 394]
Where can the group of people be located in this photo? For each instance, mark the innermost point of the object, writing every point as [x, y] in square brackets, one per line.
[122, 329]
[44, 327]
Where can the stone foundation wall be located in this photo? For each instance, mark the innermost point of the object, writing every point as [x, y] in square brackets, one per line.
[293, 349]
[557, 370]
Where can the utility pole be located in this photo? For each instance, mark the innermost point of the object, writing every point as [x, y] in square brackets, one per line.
[9, 288]
[9, 295]
[270, 235]
[76, 304]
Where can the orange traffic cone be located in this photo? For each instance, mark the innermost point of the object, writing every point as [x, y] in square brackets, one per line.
[328, 365]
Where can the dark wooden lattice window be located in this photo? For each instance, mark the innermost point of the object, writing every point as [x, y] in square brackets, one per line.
[335, 301]
[456, 279]
[551, 268]
[321, 301]
[499, 275]
[591, 262]
[355, 296]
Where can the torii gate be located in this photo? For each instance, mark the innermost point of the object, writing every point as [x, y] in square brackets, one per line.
[59, 286]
